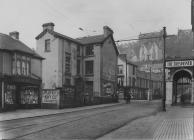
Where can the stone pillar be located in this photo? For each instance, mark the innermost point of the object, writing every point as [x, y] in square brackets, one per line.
[169, 92]
[192, 91]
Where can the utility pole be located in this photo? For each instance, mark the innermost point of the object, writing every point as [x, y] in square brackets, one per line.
[164, 82]
[150, 78]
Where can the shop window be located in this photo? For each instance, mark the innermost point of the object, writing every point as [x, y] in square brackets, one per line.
[47, 45]
[89, 50]
[9, 94]
[89, 70]
[68, 63]
[29, 96]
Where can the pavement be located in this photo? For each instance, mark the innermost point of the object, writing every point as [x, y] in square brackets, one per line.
[27, 113]
[177, 123]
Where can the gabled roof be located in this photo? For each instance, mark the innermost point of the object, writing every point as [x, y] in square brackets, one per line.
[9, 44]
[97, 39]
[58, 35]
[92, 39]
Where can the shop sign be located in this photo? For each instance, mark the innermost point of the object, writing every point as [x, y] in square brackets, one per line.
[50, 96]
[185, 63]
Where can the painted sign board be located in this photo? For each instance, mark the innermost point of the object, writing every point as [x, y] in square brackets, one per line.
[50, 96]
[183, 63]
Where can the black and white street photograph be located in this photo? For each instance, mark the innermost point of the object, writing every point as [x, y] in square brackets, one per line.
[96, 69]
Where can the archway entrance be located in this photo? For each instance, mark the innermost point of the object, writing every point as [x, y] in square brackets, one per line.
[182, 87]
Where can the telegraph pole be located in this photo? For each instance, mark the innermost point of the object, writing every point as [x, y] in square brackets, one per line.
[164, 82]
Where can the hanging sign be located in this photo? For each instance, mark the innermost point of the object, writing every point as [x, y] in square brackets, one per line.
[184, 63]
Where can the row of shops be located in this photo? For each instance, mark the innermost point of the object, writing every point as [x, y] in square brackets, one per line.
[17, 92]
[26, 93]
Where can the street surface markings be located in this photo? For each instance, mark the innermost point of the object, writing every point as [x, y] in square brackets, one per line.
[175, 129]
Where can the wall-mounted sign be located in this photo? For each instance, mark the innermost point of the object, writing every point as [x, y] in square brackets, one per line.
[50, 96]
[184, 63]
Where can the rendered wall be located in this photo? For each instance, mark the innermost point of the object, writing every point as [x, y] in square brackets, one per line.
[50, 67]
[36, 67]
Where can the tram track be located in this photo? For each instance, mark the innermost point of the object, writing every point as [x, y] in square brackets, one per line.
[48, 124]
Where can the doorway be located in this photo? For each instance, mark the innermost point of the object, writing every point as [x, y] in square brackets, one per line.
[182, 87]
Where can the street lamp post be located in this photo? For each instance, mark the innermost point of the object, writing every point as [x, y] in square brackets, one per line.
[150, 79]
[164, 83]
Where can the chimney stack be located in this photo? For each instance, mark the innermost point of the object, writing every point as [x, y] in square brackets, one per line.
[14, 35]
[48, 26]
[107, 31]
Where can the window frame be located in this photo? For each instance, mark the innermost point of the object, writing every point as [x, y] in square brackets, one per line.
[47, 47]
[87, 72]
[89, 50]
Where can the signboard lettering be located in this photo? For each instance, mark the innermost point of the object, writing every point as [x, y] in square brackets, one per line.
[50, 96]
[185, 63]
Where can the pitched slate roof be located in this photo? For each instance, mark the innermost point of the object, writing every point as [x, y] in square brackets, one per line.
[96, 39]
[56, 34]
[91, 39]
[9, 44]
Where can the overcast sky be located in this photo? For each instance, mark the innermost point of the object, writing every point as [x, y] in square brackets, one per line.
[127, 18]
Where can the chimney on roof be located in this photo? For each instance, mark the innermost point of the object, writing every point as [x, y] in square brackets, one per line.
[14, 35]
[48, 26]
[107, 31]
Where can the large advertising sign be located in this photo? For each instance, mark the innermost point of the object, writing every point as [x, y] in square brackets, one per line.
[50, 96]
[184, 63]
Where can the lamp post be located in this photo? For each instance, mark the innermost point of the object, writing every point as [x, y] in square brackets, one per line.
[150, 79]
[164, 83]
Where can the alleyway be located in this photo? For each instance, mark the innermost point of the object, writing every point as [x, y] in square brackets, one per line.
[175, 124]
[78, 124]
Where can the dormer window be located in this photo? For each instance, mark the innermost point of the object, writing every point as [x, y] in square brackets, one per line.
[47, 45]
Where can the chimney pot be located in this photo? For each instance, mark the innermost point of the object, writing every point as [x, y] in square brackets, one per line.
[14, 34]
[107, 31]
[48, 26]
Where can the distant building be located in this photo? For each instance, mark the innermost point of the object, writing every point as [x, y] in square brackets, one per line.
[20, 74]
[126, 72]
[89, 63]
[136, 81]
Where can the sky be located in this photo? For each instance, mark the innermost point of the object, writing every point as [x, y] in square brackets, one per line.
[127, 18]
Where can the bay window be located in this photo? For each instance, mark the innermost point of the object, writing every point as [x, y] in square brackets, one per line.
[21, 65]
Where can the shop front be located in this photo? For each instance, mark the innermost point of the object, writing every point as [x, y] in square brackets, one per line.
[20, 93]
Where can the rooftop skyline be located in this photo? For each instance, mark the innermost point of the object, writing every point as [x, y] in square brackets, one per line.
[127, 18]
